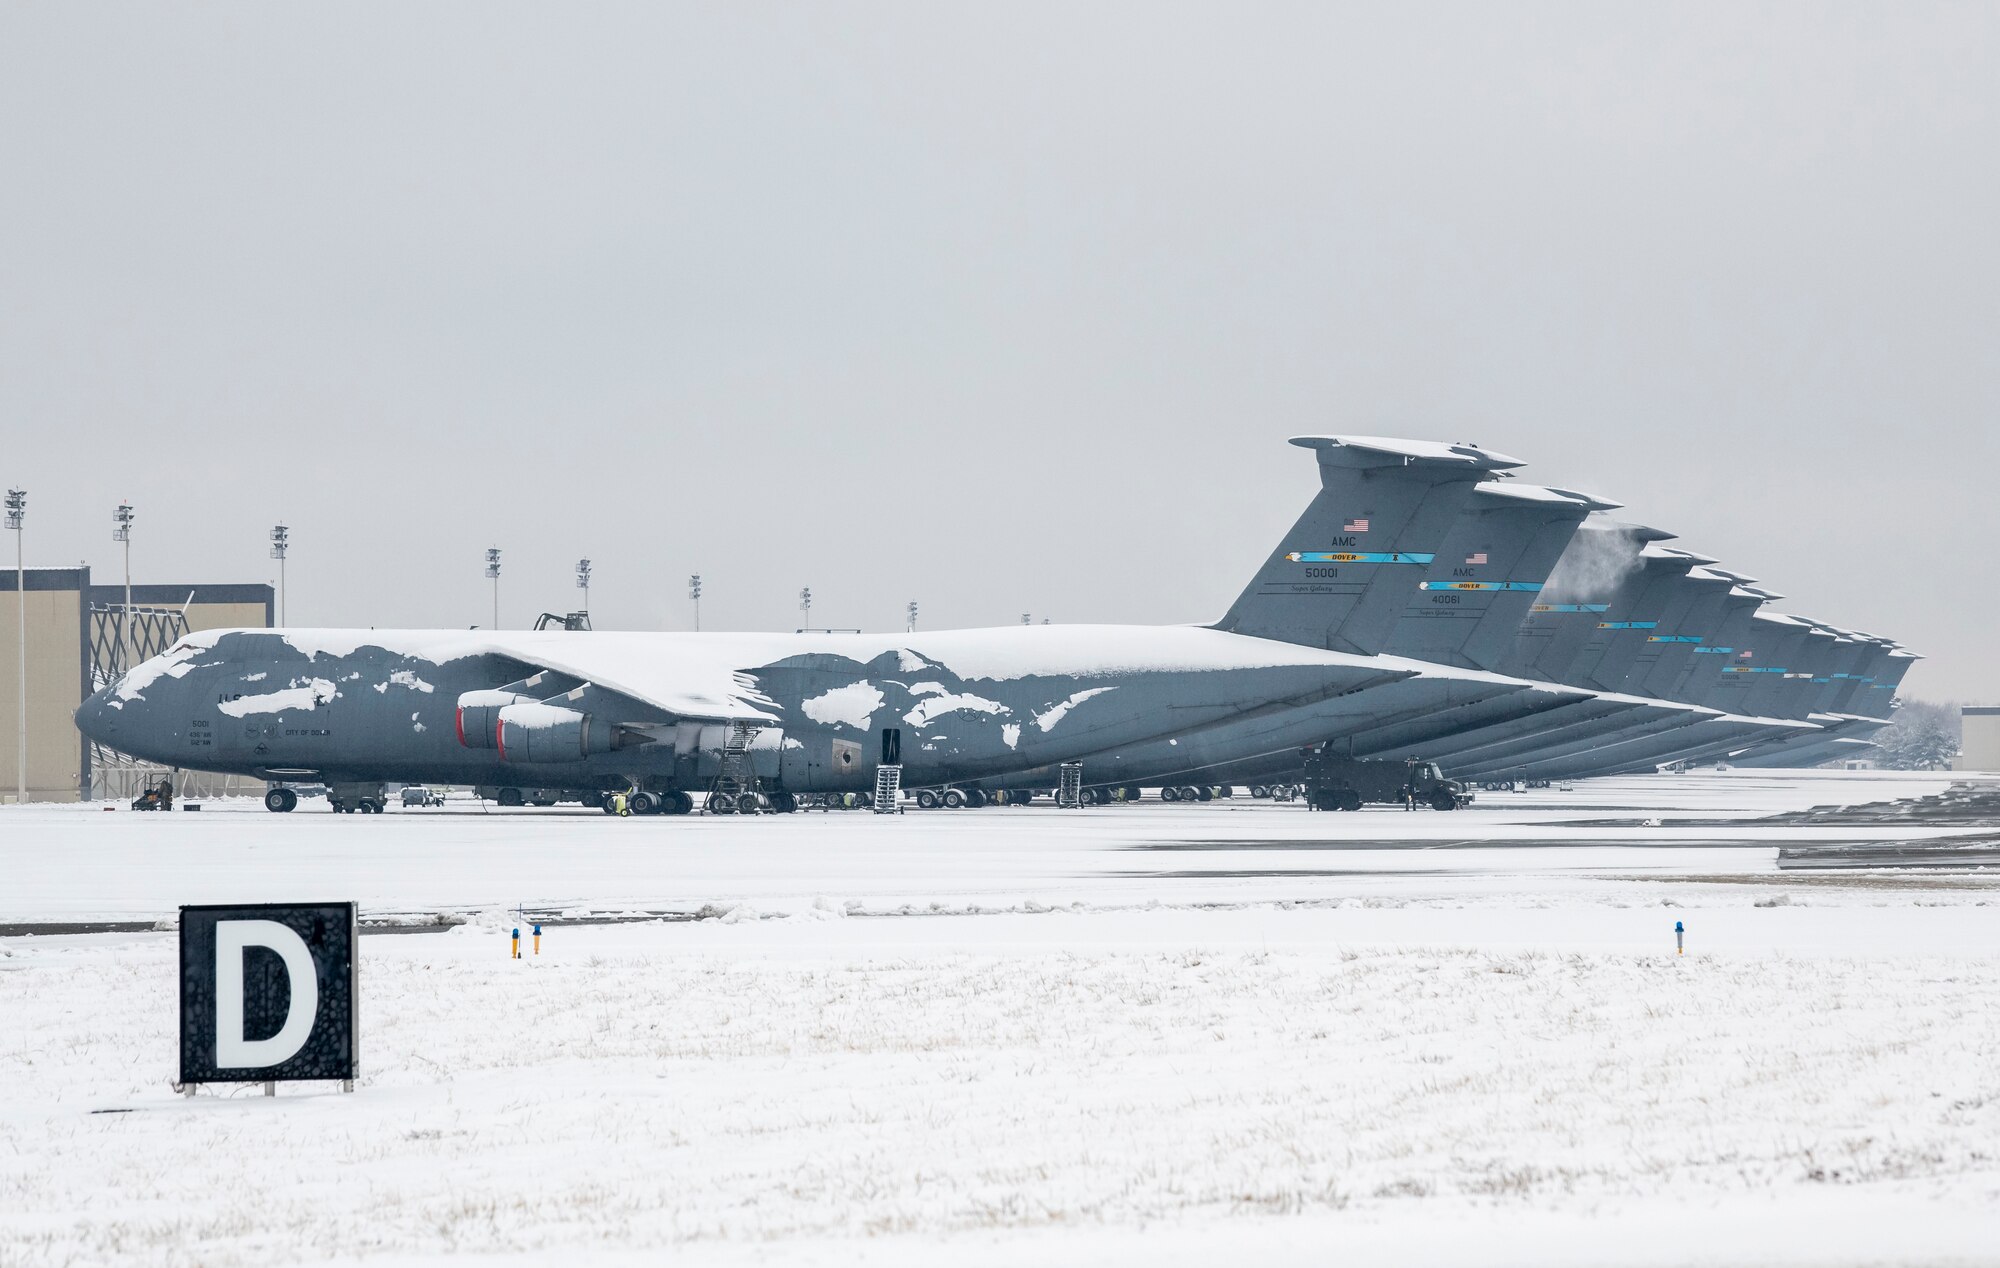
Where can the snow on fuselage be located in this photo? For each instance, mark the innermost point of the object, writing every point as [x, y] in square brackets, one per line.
[384, 705]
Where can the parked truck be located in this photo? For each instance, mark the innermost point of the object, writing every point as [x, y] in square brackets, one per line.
[1347, 783]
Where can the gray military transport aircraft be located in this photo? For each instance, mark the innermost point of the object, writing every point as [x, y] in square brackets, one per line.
[649, 712]
[1403, 616]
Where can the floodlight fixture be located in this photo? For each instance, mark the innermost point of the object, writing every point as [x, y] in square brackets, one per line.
[493, 572]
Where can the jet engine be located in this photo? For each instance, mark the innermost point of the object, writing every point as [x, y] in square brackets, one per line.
[532, 732]
[479, 716]
[525, 729]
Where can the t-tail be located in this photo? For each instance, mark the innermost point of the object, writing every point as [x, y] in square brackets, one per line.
[1343, 574]
[1489, 572]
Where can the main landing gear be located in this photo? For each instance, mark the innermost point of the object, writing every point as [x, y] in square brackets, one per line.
[644, 802]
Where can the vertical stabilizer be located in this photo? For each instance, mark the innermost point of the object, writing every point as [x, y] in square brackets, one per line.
[1875, 699]
[1650, 616]
[1667, 659]
[1489, 571]
[1342, 575]
[1774, 640]
[1597, 574]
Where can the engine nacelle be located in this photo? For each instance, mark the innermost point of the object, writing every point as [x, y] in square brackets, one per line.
[534, 732]
[479, 716]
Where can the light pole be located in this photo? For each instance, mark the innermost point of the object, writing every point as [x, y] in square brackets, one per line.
[121, 531]
[493, 571]
[911, 612]
[583, 581]
[806, 604]
[694, 592]
[17, 511]
[281, 541]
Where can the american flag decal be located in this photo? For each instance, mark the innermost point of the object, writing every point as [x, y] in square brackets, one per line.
[1355, 526]
[1744, 654]
[1477, 557]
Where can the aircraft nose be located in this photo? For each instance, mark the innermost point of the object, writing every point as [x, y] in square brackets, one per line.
[97, 717]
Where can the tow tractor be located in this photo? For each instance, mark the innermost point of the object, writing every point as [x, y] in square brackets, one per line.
[159, 797]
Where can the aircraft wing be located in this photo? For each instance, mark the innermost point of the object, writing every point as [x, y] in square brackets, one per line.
[631, 683]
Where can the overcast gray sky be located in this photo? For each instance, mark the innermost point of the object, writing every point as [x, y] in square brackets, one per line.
[1003, 308]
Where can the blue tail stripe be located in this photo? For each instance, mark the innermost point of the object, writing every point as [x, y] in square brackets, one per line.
[1529, 586]
[1360, 557]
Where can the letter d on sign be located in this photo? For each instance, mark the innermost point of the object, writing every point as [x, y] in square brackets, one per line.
[232, 938]
[268, 993]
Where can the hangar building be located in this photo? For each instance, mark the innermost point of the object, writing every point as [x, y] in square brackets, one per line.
[80, 637]
[1980, 747]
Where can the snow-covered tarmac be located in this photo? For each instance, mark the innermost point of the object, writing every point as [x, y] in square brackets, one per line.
[1148, 1032]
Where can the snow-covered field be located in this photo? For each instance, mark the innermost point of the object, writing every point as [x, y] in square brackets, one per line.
[1159, 1034]
[83, 863]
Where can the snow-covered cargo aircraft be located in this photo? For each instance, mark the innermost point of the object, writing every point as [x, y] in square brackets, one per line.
[812, 712]
[1486, 567]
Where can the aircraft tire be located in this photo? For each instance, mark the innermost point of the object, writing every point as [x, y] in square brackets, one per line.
[643, 803]
[509, 797]
[952, 799]
[280, 800]
[679, 803]
[1204, 794]
[748, 804]
[926, 799]
[1170, 793]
